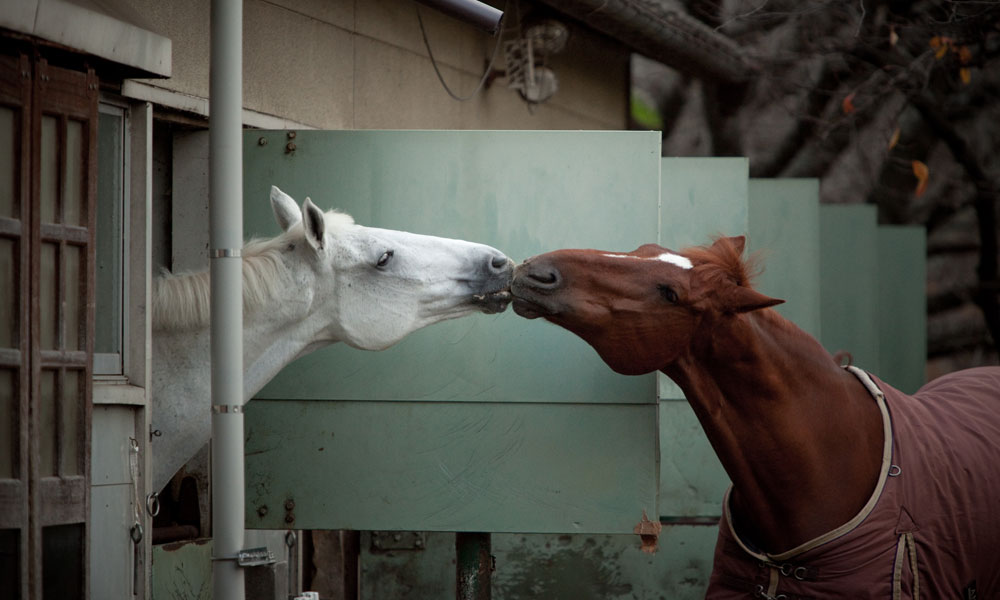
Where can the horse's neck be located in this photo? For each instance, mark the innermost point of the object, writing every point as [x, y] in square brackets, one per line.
[267, 347]
[182, 380]
[799, 437]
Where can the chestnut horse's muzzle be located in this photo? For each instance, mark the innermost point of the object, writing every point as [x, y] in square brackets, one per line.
[534, 281]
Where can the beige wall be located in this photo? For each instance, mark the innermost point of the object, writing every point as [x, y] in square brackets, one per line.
[346, 64]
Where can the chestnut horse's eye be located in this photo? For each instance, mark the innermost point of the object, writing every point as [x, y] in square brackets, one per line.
[384, 259]
[668, 293]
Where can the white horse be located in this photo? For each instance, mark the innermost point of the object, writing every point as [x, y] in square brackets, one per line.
[324, 280]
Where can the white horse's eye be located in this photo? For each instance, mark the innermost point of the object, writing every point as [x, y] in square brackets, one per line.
[384, 259]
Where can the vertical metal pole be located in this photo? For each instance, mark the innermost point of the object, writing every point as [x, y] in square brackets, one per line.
[226, 242]
[473, 566]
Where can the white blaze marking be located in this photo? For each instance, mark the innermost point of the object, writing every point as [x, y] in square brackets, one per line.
[675, 259]
[667, 257]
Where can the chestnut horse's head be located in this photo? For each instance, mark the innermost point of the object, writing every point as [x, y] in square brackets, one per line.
[640, 310]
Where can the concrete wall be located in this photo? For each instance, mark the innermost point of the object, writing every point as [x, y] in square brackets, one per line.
[347, 64]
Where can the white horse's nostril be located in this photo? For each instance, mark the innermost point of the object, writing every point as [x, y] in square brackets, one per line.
[499, 262]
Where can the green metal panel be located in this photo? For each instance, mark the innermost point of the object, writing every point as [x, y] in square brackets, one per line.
[443, 466]
[849, 288]
[521, 192]
[784, 230]
[692, 480]
[700, 198]
[902, 259]
[182, 571]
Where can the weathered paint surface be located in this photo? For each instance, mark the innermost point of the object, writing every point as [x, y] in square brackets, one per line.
[580, 567]
[182, 571]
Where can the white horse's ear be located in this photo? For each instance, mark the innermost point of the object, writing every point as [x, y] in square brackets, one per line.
[286, 211]
[315, 224]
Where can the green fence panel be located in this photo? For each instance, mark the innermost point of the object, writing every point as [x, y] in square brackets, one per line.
[700, 198]
[521, 192]
[784, 232]
[902, 327]
[450, 466]
[849, 287]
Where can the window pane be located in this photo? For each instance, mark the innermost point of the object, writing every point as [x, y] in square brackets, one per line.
[73, 213]
[47, 432]
[9, 435]
[72, 289]
[50, 170]
[62, 562]
[49, 297]
[70, 414]
[10, 315]
[109, 238]
[10, 563]
[9, 168]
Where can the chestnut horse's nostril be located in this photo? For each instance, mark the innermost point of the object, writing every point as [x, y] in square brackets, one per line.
[545, 278]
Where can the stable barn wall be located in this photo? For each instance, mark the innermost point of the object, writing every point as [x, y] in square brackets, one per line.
[363, 65]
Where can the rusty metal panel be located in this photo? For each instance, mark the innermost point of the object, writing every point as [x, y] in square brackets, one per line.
[531, 566]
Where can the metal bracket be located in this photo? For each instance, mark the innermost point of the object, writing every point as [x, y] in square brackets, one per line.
[225, 253]
[251, 557]
[398, 541]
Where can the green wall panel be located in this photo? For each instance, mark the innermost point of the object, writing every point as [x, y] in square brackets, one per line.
[521, 192]
[902, 256]
[849, 296]
[443, 466]
[700, 199]
[784, 231]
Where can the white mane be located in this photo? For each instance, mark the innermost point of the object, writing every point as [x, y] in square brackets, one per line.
[181, 301]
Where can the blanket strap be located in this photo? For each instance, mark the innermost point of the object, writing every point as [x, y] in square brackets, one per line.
[908, 546]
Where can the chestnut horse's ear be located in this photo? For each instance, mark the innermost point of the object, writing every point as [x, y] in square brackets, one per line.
[738, 242]
[743, 299]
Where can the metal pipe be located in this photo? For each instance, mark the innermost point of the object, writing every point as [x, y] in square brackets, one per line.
[473, 566]
[226, 242]
[477, 14]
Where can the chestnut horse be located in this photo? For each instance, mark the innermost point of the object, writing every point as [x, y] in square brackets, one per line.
[841, 485]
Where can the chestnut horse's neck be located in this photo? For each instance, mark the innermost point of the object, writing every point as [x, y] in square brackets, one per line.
[800, 437]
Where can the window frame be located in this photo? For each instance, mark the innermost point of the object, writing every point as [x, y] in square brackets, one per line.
[114, 367]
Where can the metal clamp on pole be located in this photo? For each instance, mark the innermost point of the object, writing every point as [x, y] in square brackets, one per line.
[225, 253]
[227, 408]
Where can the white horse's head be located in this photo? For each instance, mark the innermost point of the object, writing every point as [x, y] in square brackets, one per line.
[370, 287]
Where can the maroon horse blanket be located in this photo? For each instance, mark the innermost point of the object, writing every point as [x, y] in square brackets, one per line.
[932, 526]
